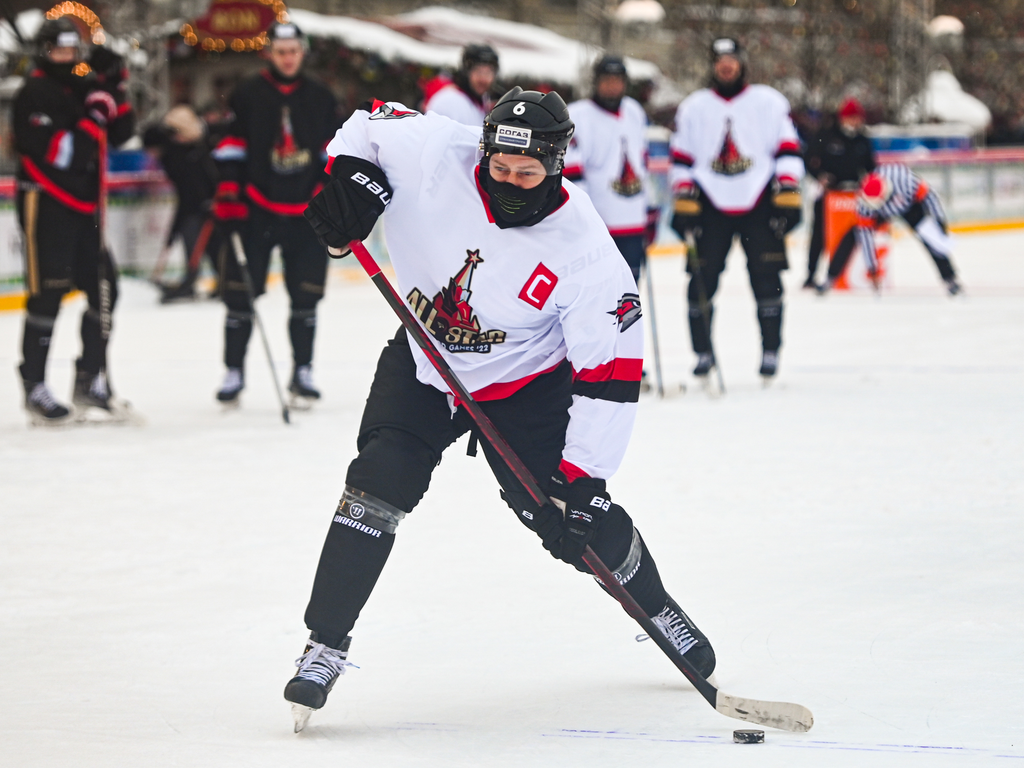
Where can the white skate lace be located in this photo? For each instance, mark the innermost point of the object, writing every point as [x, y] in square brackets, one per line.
[42, 397]
[232, 380]
[322, 664]
[304, 375]
[674, 628]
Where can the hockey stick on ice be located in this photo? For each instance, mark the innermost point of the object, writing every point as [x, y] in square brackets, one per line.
[693, 259]
[105, 260]
[777, 714]
[243, 265]
[654, 326]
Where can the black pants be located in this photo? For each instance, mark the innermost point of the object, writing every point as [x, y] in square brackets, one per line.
[62, 252]
[632, 249]
[305, 273]
[914, 216]
[817, 236]
[766, 258]
[405, 428]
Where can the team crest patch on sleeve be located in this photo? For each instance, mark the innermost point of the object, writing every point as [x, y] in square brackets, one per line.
[450, 318]
[538, 287]
[384, 111]
[628, 311]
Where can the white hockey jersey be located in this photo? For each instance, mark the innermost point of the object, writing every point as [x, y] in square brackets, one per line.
[731, 148]
[451, 101]
[506, 305]
[607, 158]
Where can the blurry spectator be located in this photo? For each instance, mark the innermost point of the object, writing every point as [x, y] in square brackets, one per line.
[466, 98]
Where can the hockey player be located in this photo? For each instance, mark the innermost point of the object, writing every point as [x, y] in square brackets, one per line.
[894, 190]
[271, 164]
[607, 158]
[467, 97]
[736, 171]
[61, 117]
[839, 157]
[514, 275]
[181, 143]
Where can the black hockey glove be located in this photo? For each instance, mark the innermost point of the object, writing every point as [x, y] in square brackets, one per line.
[110, 71]
[585, 501]
[687, 211]
[787, 209]
[348, 207]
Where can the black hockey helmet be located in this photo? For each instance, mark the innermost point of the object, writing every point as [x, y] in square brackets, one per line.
[478, 53]
[610, 65]
[728, 46]
[59, 33]
[286, 30]
[529, 123]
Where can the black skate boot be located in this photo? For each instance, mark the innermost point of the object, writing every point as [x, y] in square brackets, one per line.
[319, 668]
[952, 285]
[42, 408]
[185, 291]
[769, 364]
[301, 388]
[234, 383]
[705, 362]
[92, 391]
[685, 636]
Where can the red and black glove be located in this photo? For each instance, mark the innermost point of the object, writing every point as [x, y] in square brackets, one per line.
[101, 108]
[227, 207]
[651, 226]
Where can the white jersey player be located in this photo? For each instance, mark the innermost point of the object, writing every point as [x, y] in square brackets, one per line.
[466, 98]
[608, 156]
[736, 170]
[513, 275]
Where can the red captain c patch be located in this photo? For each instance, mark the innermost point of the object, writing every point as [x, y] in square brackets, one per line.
[539, 287]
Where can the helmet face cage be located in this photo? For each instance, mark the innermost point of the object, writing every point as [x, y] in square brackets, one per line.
[528, 123]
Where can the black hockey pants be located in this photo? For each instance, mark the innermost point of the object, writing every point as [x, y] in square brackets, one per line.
[62, 252]
[305, 273]
[766, 258]
[405, 428]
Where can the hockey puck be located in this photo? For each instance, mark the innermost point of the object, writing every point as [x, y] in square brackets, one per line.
[748, 737]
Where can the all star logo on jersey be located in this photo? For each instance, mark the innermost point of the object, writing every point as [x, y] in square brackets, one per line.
[628, 311]
[628, 183]
[729, 161]
[384, 111]
[449, 318]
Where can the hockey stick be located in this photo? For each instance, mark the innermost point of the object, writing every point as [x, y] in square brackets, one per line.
[654, 326]
[102, 278]
[243, 265]
[200, 247]
[693, 259]
[788, 717]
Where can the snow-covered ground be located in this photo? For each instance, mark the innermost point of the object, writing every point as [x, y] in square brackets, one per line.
[850, 539]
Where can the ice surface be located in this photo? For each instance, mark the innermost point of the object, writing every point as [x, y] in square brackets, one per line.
[850, 539]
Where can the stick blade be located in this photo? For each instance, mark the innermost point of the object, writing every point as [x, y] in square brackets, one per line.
[775, 714]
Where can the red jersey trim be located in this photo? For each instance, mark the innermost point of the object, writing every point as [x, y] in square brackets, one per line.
[282, 209]
[286, 88]
[502, 389]
[571, 471]
[626, 231]
[54, 148]
[50, 188]
[681, 158]
[619, 369]
[90, 128]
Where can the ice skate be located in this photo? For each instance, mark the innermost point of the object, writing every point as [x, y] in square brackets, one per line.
[319, 668]
[303, 393]
[952, 286]
[94, 403]
[687, 639]
[769, 366]
[231, 389]
[705, 365]
[186, 291]
[810, 284]
[43, 409]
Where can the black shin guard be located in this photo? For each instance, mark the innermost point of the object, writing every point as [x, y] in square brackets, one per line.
[619, 545]
[357, 547]
[237, 330]
[94, 346]
[769, 317]
[698, 330]
[35, 347]
[301, 330]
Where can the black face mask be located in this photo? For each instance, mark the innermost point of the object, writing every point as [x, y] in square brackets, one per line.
[62, 73]
[611, 105]
[513, 206]
[728, 90]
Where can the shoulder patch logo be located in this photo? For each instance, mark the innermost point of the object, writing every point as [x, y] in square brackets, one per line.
[538, 287]
[628, 311]
[383, 111]
[449, 318]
